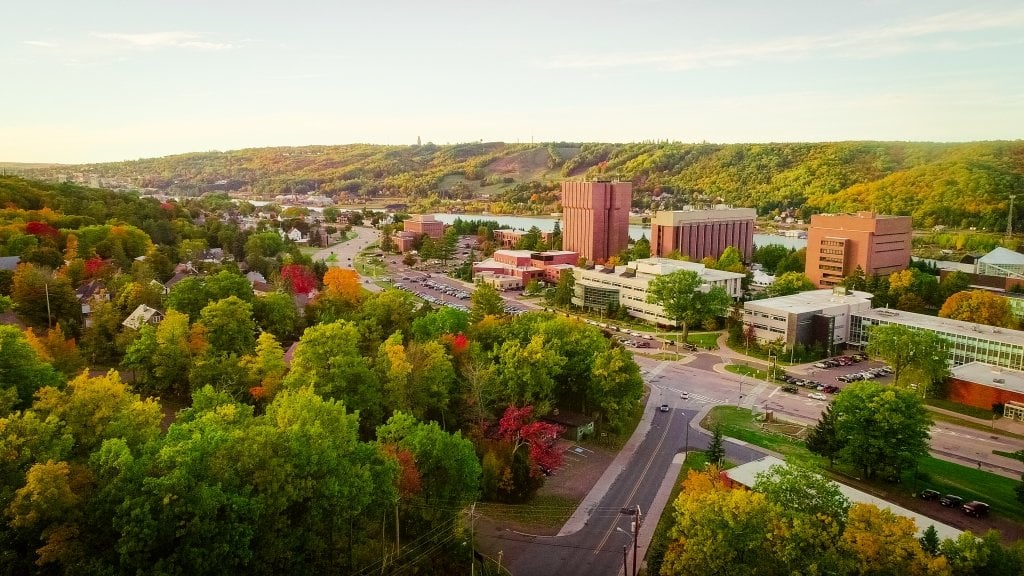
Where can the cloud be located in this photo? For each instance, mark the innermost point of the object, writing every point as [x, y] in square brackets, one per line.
[40, 43]
[152, 40]
[866, 43]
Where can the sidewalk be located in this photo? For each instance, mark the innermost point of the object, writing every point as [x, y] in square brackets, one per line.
[580, 517]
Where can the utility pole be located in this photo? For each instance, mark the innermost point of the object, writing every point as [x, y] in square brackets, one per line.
[472, 539]
[49, 315]
[624, 552]
[1009, 218]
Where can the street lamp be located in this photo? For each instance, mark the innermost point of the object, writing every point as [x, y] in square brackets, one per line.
[637, 518]
[625, 549]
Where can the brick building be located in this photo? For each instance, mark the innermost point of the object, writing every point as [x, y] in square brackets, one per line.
[984, 386]
[421, 224]
[596, 217]
[838, 243]
[527, 265]
[701, 233]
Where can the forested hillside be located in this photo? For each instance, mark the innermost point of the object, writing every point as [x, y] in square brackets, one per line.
[951, 184]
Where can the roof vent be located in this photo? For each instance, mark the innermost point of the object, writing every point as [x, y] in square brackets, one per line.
[999, 380]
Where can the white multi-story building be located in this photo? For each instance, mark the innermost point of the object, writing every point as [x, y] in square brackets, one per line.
[626, 286]
[807, 318]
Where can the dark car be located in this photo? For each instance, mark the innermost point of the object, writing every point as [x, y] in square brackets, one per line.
[928, 494]
[975, 508]
[951, 500]
[789, 388]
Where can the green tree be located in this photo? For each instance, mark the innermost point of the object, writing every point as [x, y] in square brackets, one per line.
[795, 488]
[42, 299]
[190, 296]
[616, 387]
[824, 438]
[229, 326]
[769, 256]
[445, 320]
[955, 281]
[485, 302]
[226, 283]
[526, 374]
[790, 283]
[885, 429]
[679, 293]
[793, 262]
[731, 261]
[563, 292]
[276, 313]
[716, 449]
[905, 348]
[172, 356]
[642, 248]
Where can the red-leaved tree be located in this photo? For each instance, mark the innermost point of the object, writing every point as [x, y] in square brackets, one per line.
[41, 229]
[519, 427]
[298, 278]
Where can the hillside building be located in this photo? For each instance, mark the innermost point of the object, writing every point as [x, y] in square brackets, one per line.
[596, 218]
[698, 234]
[839, 243]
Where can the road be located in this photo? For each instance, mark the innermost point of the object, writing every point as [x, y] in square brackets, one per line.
[345, 252]
[596, 548]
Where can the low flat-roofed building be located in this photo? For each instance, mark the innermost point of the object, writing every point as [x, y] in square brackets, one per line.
[404, 241]
[499, 281]
[626, 286]
[508, 238]
[746, 476]
[807, 318]
[985, 386]
[527, 265]
[968, 342]
[421, 224]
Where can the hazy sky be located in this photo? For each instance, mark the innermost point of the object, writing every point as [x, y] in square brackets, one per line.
[99, 80]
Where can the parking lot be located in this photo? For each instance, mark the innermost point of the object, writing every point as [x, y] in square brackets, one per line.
[833, 374]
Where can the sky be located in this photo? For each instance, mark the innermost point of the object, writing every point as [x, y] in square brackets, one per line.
[109, 80]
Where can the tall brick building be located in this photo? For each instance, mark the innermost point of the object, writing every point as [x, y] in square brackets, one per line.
[697, 234]
[596, 218]
[838, 243]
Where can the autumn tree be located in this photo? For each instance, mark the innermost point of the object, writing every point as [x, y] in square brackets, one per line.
[42, 299]
[790, 283]
[880, 542]
[519, 427]
[266, 367]
[980, 307]
[684, 301]
[298, 279]
[345, 283]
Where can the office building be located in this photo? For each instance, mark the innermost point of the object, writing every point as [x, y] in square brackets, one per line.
[527, 265]
[596, 218]
[806, 318]
[421, 224]
[626, 286]
[838, 243]
[698, 234]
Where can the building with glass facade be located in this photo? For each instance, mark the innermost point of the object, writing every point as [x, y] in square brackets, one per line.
[968, 342]
[806, 318]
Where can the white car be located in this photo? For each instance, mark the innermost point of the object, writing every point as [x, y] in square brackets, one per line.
[817, 396]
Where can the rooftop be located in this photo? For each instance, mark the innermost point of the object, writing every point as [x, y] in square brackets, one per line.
[1002, 255]
[746, 474]
[934, 323]
[989, 375]
[650, 267]
[811, 300]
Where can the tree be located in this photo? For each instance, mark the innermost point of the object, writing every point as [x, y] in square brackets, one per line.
[731, 261]
[980, 307]
[526, 373]
[793, 262]
[885, 429]
[880, 542]
[795, 488]
[824, 438]
[790, 283]
[563, 292]
[42, 299]
[266, 367]
[485, 302]
[22, 372]
[409, 259]
[345, 283]
[229, 326]
[909, 348]
[226, 283]
[518, 426]
[716, 450]
[276, 313]
[955, 281]
[190, 296]
[445, 320]
[616, 387]
[642, 248]
[930, 540]
[298, 279]
[684, 302]
[769, 256]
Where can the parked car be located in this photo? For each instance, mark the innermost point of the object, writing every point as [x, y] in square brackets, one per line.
[822, 365]
[975, 508]
[789, 388]
[831, 389]
[950, 500]
[929, 494]
[817, 396]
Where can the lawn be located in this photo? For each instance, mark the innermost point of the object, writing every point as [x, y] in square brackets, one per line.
[745, 370]
[946, 477]
[705, 340]
[972, 411]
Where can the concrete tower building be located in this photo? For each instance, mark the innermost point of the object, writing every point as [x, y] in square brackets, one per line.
[596, 218]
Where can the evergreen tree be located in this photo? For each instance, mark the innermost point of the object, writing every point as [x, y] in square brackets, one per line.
[823, 439]
[716, 450]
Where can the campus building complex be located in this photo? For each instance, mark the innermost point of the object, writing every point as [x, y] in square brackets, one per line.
[596, 218]
[697, 234]
[837, 244]
[415, 227]
[626, 286]
[807, 318]
[514, 268]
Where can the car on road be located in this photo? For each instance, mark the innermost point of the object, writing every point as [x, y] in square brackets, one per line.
[817, 396]
[975, 508]
[929, 494]
[950, 500]
[684, 395]
[663, 408]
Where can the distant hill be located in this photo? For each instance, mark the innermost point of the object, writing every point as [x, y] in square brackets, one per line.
[964, 184]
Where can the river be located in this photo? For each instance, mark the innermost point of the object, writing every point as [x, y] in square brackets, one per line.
[546, 224]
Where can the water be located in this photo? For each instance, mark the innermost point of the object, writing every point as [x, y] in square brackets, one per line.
[547, 224]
